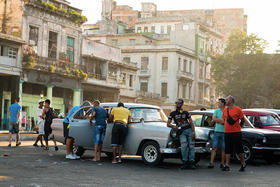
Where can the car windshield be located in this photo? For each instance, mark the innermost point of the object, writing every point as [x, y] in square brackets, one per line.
[148, 115]
[269, 120]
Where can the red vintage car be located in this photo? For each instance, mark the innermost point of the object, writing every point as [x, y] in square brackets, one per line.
[263, 119]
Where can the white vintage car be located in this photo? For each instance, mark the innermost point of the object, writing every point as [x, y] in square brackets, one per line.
[148, 135]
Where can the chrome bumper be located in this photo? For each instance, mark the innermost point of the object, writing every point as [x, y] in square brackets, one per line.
[178, 150]
[267, 148]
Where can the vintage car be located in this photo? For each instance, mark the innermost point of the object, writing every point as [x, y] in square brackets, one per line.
[256, 142]
[263, 118]
[148, 136]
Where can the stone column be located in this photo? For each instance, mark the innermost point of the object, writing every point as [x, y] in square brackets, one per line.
[77, 97]
[20, 101]
[49, 92]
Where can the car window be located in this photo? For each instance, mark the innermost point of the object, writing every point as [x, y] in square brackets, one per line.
[197, 118]
[208, 121]
[83, 113]
[148, 115]
[269, 120]
[251, 119]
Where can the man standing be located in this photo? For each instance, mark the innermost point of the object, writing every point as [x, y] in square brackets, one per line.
[185, 129]
[101, 116]
[233, 119]
[66, 125]
[14, 114]
[121, 117]
[40, 123]
[48, 115]
[219, 135]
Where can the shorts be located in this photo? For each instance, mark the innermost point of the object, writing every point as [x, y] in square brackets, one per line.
[119, 133]
[218, 140]
[99, 134]
[66, 130]
[49, 136]
[233, 142]
[13, 127]
[41, 127]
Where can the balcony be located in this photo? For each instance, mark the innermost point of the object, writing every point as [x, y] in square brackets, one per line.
[9, 66]
[148, 95]
[184, 75]
[144, 73]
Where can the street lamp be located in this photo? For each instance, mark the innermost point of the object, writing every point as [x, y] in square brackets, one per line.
[41, 95]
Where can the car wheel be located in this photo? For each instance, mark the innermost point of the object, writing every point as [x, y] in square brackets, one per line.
[109, 155]
[79, 151]
[151, 154]
[248, 153]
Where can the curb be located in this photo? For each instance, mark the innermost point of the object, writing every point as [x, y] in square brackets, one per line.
[22, 137]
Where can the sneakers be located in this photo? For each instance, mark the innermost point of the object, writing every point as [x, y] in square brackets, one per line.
[35, 145]
[18, 144]
[226, 168]
[42, 146]
[114, 161]
[242, 168]
[77, 157]
[210, 166]
[56, 148]
[72, 156]
[192, 165]
[222, 166]
[9, 145]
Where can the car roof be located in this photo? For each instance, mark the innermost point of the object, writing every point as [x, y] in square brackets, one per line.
[258, 111]
[130, 105]
[209, 111]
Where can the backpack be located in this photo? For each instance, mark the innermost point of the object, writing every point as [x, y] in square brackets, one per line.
[50, 115]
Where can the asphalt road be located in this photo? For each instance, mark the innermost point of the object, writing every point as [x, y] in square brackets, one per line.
[29, 166]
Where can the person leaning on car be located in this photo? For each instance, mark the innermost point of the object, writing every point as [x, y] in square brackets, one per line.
[185, 128]
[233, 137]
[121, 117]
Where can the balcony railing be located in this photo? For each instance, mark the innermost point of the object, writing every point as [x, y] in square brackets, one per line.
[148, 95]
[184, 75]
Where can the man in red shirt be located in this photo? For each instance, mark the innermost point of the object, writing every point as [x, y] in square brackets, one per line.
[233, 119]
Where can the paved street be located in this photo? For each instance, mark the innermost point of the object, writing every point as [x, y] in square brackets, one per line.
[29, 166]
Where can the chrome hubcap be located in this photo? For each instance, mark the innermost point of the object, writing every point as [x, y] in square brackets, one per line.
[150, 153]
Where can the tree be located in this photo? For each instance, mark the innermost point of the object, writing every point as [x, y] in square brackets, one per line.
[244, 70]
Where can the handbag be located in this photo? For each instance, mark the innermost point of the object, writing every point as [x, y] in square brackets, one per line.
[229, 118]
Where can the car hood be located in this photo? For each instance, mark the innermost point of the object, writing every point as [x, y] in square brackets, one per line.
[260, 131]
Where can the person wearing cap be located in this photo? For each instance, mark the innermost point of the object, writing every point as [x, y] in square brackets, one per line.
[40, 123]
[186, 131]
[66, 125]
[121, 117]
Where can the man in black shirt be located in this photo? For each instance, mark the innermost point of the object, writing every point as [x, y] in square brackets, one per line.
[185, 129]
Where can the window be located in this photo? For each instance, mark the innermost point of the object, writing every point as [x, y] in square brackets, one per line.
[197, 118]
[190, 67]
[144, 63]
[144, 86]
[132, 41]
[184, 91]
[168, 29]
[139, 29]
[146, 29]
[33, 35]
[114, 42]
[12, 52]
[201, 70]
[148, 115]
[185, 66]
[153, 29]
[164, 63]
[130, 80]
[130, 19]
[118, 18]
[179, 64]
[164, 89]
[70, 49]
[162, 29]
[52, 49]
[190, 90]
[126, 59]
[200, 90]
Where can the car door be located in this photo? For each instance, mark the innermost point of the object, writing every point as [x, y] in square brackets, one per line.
[198, 120]
[81, 129]
[206, 126]
[108, 135]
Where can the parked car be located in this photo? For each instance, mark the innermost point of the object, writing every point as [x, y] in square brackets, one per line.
[256, 142]
[148, 134]
[264, 119]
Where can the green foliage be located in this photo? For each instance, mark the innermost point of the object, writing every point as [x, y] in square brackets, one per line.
[245, 72]
[80, 73]
[30, 60]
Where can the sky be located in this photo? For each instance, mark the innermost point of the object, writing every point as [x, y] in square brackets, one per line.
[263, 15]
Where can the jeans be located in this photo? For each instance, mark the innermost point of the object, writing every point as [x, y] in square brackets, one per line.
[187, 145]
[218, 140]
[99, 134]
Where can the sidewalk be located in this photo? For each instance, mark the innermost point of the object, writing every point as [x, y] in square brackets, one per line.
[24, 135]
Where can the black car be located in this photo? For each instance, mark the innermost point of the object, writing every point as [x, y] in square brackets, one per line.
[256, 142]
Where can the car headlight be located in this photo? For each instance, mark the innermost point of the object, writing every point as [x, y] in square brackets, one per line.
[264, 140]
[173, 133]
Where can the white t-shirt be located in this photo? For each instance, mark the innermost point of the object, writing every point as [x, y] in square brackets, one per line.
[39, 113]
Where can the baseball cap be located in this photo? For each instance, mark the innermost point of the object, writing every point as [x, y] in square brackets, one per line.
[179, 101]
[41, 101]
